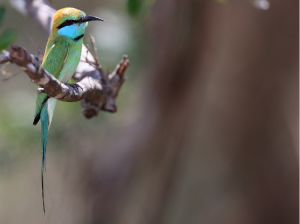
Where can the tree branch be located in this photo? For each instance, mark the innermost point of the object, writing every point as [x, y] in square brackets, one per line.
[96, 93]
[96, 89]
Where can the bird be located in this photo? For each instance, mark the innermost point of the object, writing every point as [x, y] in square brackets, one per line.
[61, 58]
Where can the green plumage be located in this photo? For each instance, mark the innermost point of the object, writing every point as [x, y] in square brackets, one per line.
[61, 59]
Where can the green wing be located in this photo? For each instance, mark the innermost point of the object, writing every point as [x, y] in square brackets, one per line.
[54, 60]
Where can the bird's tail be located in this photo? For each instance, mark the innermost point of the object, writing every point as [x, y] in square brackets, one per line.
[46, 117]
[44, 133]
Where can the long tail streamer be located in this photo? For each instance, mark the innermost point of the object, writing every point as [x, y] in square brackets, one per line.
[44, 132]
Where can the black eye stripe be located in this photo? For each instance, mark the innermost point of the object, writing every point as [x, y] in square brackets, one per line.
[69, 22]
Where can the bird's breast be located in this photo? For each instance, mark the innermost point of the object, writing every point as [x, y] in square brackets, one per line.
[71, 63]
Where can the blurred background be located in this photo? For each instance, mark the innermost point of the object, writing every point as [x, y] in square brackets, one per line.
[207, 123]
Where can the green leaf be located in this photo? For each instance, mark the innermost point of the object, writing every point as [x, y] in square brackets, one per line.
[2, 10]
[134, 6]
[7, 38]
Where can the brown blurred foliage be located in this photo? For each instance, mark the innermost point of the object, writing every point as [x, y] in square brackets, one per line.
[217, 138]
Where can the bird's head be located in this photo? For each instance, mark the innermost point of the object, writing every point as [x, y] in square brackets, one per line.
[71, 23]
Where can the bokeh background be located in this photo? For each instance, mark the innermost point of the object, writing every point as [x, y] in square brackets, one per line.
[206, 129]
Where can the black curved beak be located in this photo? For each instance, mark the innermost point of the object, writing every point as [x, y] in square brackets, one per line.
[90, 18]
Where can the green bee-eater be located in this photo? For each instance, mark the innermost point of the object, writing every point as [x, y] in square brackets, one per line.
[61, 58]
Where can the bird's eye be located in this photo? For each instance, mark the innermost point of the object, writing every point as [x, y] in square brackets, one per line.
[67, 22]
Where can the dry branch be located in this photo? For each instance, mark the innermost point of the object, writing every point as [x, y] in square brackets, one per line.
[97, 93]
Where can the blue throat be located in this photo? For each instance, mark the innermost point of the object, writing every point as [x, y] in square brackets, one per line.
[75, 31]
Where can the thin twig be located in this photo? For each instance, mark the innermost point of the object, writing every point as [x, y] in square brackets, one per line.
[94, 64]
[99, 67]
[92, 39]
[89, 62]
[8, 78]
[31, 39]
[3, 68]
